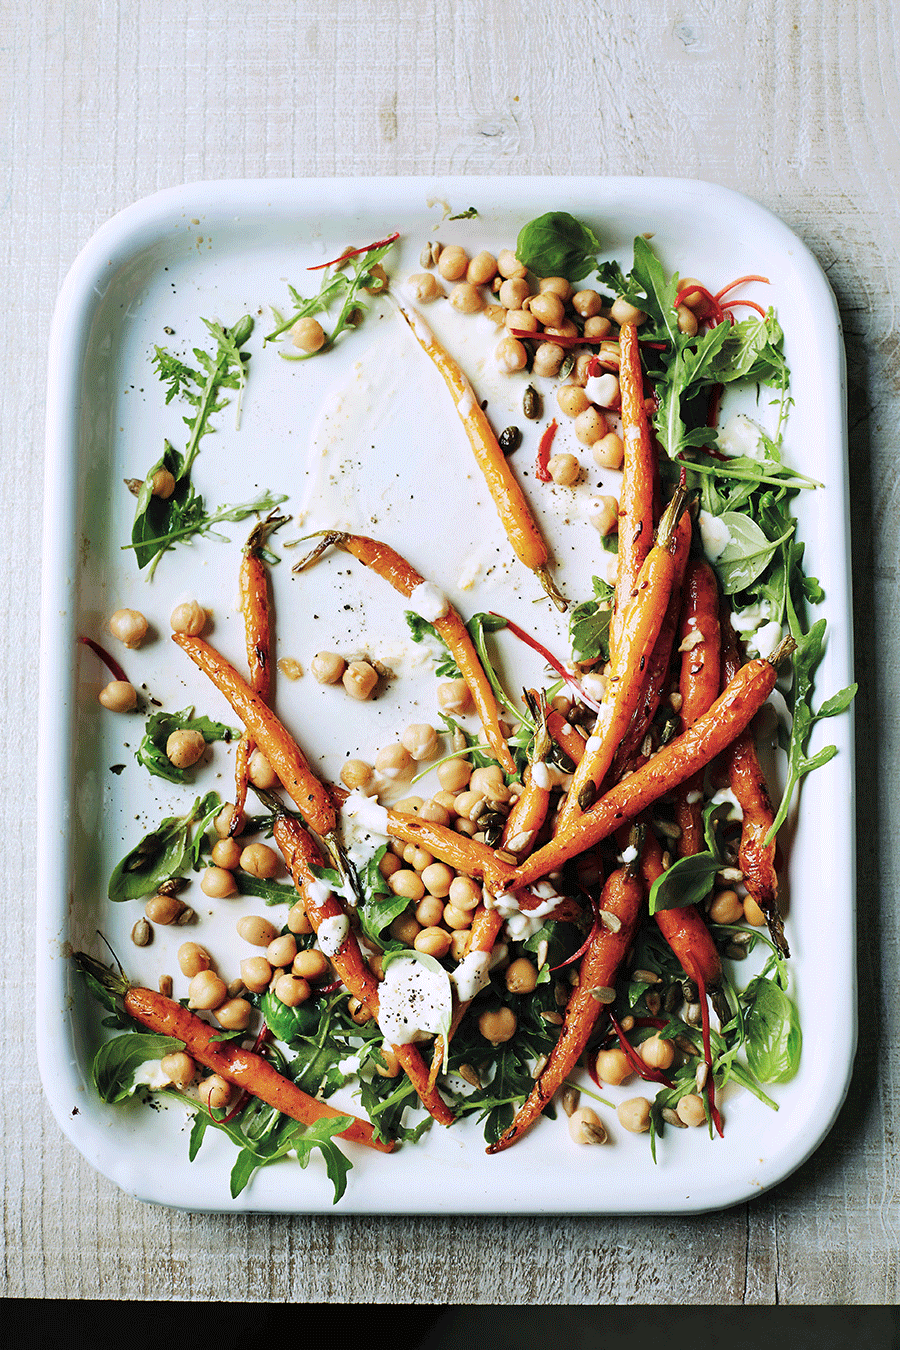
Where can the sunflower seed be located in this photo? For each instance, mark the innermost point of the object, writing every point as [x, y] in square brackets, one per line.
[554, 1018]
[142, 933]
[540, 1066]
[570, 1099]
[701, 1075]
[645, 977]
[468, 1074]
[165, 986]
[604, 994]
[611, 922]
[671, 1118]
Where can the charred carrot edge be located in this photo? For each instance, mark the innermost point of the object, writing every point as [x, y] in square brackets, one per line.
[390, 565]
[457, 850]
[671, 765]
[253, 585]
[566, 736]
[638, 477]
[641, 623]
[748, 783]
[301, 854]
[699, 683]
[309, 795]
[509, 499]
[622, 896]
[246, 1070]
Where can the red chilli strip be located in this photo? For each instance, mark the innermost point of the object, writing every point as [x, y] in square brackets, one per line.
[559, 339]
[543, 454]
[643, 1070]
[740, 281]
[109, 661]
[718, 314]
[354, 252]
[595, 928]
[550, 659]
[707, 1056]
[727, 304]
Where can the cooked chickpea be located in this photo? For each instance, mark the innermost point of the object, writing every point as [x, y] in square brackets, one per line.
[282, 950]
[234, 1014]
[453, 262]
[634, 1115]
[394, 762]
[467, 803]
[586, 304]
[163, 909]
[308, 335]
[290, 668]
[657, 1053]
[260, 861]
[603, 513]
[215, 1093]
[586, 1127]
[510, 355]
[613, 1067]
[433, 942]
[192, 959]
[726, 907]
[564, 469]
[691, 1110]
[184, 748]
[454, 696]
[189, 618]
[438, 878]
[430, 911]
[260, 771]
[548, 309]
[421, 740]
[557, 286]
[609, 451]
[407, 883]
[752, 912]
[590, 426]
[129, 626]
[597, 327]
[436, 812]
[522, 321]
[457, 918]
[572, 400]
[565, 329]
[226, 853]
[222, 822]
[417, 858]
[356, 773]
[256, 974]
[459, 943]
[508, 264]
[389, 864]
[310, 965]
[446, 800]
[298, 920]
[688, 297]
[118, 696]
[410, 806]
[687, 323]
[162, 484]
[179, 1068]
[327, 667]
[257, 931]
[464, 893]
[498, 1026]
[391, 1066]
[207, 991]
[466, 298]
[581, 369]
[488, 781]
[547, 359]
[454, 774]
[406, 928]
[521, 976]
[424, 287]
[496, 314]
[218, 883]
[482, 269]
[359, 680]
[621, 311]
[291, 990]
[514, 292]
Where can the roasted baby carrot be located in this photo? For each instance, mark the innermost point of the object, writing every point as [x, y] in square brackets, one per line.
[389, 564]
[671, 765]
[457, 850]
[509, 499]
[253, 587]
[639, 477]
[699, 684]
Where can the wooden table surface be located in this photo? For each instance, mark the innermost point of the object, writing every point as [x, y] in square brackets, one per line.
[793, 103]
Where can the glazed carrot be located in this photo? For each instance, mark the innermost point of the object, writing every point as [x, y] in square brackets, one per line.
[639, 477]
[253, 586]
[245, 1069]
[301, 855]
[747, 781]
[404, 578]
[467, 855]
[641, 623]
[671, 765]
[699, 684]
[286, 758]
[566, 736]
[509, 499]
[622, 896]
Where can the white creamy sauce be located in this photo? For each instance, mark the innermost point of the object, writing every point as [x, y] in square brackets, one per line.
[349, 1065]
[714, 535]
[747, 620]
[726, 795]
[764, 641]
[318, 892]
[367, 813]
[413, 1001]
[471, 975]
[629, 855]
[150, 1074]
[520, 927]
[740, 436]
[602, 390]
[331, 934]
[429, 602]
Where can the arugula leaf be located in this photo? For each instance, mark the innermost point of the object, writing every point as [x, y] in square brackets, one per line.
[774, 1040]
[163, 853]
[117, 1061]
[557, 245]
[152, 750]
[362, 277]
[687, 882]
[380, 906]
[589, 624]
[747, 553]
[272, 892]
[469, 214]
[420, 630]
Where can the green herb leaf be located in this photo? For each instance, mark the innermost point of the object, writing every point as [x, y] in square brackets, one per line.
[589, 624]
[747, 553]
[335, 285]
[687, 882]
[557, 245]
[163, 853]
[117, 1061]
[774, 1039]
[152, 750]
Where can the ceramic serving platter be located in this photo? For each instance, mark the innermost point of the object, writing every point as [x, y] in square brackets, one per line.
[365, 437]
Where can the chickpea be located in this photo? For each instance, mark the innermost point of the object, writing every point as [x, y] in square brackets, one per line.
[359, 680]
[215, 1093]
[430, 911]
[226, 853]
[184, 748]
[163, 909]
[687, 323]
[597, 327]
[691, 1109]
[410, 806]
[260, 771]
[466, 298]
[234, 1014]
[454, 696]
[417, 858]
[586, 1127]
[179, 1068]
[464, 826]
[162, 484]
[498, 1026]
[257, 931]
[389, 864]
[590, 426]
[256, 974]
[192, 959]
[438, 878]
[260, 861]
[522, 321]
[496, 314]
[356, 773]
[581, 368]
[464, 893]
[586, 304]
[547, 359]
[489, 782]
[690, 298]
[129, 626]
[557, 286]
[189, 618]
[613, 1067]
[291, 990]
[453, 262]
[207, 991]
[514, 292]
[218, 883]
[118, 696]
[310, 965]
[433, 941]
[564, 469]
[467, 803]
[282, 950]
[223, 821]
[657, 1053]
[482, 269]
[308, 335]
[521, 976]
[726, 908]
[609, 451]
[548, 309]
[290, 668]
[510, 355]
[459, 942]
[508, 264]
[564, 329]
[424, 287]
[327, 667]
[457, 918]
[421, 740]
[603, 513]
[446, 800]
[436, 812]
[634, 1115]
[454, 774]
[571, 400]
[298, 920]
[407, 883]
[391, 1066]
[752, 912]
[394, 762]
[405, 928]
[359, 1013]
[620, 311]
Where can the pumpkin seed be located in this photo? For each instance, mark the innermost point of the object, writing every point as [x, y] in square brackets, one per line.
[554, 1018]
[736, 953]
[587, 796]
[426, 257]
[653, 1002]
[604, 993]
[509, 440]
[672, 1000]
[568, 362]
[165, 986]
[531, 403]
[570, 1099]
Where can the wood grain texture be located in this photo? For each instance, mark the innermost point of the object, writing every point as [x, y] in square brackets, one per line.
[793, 103]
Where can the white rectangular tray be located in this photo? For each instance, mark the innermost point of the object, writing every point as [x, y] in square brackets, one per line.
[221, 249]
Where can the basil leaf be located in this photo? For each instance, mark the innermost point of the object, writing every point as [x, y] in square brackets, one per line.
[687, 882]
[161, 854]
[287, 1024]
[557, 245]
[152, 750]
[774, 1039]
[589, 624]
[747, 553]
[116, 1063]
